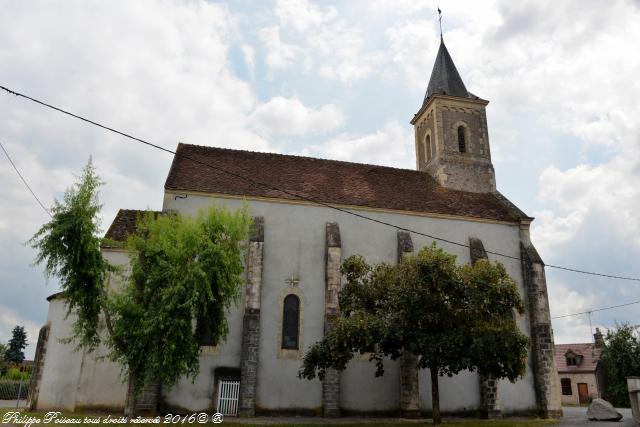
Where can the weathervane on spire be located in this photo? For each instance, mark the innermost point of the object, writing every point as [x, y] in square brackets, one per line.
[440, 21]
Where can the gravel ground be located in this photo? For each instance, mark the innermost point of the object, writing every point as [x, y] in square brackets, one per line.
[577, 416]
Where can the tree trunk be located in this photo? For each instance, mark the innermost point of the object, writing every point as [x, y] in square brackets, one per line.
[435, 396]
[130, 405]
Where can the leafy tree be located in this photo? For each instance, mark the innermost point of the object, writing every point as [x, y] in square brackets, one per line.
[3, 348]
[18, 342]
[69, 247]
[182, 270]
[621, 359]
[452, 317]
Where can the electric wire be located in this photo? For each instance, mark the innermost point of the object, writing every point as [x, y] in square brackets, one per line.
[597, 309]
[24, 180]
[293, 194]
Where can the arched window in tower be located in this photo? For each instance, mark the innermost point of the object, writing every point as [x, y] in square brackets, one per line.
[462, 143]
[291, 322]
[420, 155]
[429, 151]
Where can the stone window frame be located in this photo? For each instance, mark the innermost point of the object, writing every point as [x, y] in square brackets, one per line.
[421, 155]
[285, 353]
[566, 387]
[467, 136]
[291, 322]
[429, 147]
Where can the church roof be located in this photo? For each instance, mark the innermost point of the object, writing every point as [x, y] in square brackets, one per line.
[123, 224]
[445, 79]
[327, 181]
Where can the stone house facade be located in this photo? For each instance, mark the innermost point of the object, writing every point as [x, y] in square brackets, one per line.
[292, 273]
[581, 373]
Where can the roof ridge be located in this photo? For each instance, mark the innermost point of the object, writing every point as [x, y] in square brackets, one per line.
[269, 153]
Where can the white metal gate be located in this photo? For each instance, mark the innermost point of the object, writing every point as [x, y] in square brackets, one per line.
[228, 392]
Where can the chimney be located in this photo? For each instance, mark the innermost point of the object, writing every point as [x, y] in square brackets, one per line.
[598, 338]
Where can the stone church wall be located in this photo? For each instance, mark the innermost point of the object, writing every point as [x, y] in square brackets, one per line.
[294, 262]
[295, 246]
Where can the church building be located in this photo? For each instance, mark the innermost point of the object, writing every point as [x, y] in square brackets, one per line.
[297, 243]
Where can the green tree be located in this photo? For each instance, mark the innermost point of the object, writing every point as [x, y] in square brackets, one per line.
[183, 270]
[621, 359]
[3, 348]
[69, 247]
[452, 317]
[15, 348]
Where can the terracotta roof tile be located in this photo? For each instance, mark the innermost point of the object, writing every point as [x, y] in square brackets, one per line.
[590, 357]
[328, 181]
[123, 224]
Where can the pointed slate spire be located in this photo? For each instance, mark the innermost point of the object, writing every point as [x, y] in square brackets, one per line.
[445, 79]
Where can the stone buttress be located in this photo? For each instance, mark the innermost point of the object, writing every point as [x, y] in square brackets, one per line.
[251, 321]
[542, 346]
[409, 384]
[333, 260]
[489, 402]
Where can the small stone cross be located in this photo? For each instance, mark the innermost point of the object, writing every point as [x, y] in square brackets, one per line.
[292, 281]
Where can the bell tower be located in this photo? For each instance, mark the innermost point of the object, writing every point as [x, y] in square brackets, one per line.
[451, 137]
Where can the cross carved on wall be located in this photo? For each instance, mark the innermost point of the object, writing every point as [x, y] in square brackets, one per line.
[292, 281]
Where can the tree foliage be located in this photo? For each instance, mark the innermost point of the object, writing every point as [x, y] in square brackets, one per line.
[183, 270]
[185, 274]
[452, 317]
[69, 247]
[14, 352]
[621, 359]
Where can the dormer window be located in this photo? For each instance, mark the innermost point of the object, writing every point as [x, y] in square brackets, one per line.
[573, 359]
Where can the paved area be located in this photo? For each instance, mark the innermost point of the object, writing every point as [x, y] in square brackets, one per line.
[577, 416]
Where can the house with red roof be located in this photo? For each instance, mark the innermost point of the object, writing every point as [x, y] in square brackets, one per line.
[582, 376]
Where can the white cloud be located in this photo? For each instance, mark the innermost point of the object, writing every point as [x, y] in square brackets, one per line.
[249, 54]
[280, 55]
[303, 15]
[564, 300]
[289, 116]
[608, 190]
[391, 146]
[327, 42]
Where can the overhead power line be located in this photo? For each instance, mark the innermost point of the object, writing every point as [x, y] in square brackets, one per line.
[597, 309]
[24, 180]
[288, 192]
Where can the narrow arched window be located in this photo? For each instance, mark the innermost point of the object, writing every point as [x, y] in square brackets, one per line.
[429, 152]
[290, 322]
[420, 154]
[462, 144]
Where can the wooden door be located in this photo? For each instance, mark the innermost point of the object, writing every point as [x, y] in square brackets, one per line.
[583, 393]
